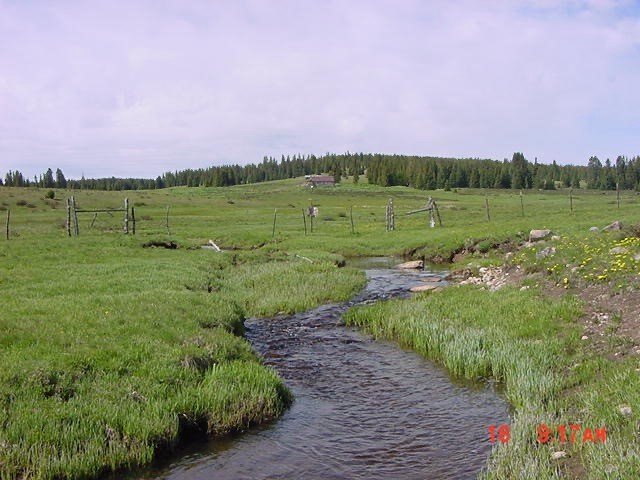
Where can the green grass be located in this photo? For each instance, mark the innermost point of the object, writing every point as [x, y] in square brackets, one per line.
[112, 352]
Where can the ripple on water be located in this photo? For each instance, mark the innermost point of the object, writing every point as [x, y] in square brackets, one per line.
[363, 409]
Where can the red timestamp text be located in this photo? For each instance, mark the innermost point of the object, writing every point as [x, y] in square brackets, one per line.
[571, 434]
[561, 434]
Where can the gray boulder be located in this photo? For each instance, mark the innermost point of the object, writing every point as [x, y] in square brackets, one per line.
[613, 227]
[535, 235]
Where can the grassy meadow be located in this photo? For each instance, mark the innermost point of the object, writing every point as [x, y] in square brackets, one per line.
[113, 354]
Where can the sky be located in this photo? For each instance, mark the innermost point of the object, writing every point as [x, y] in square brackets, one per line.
[136, 88]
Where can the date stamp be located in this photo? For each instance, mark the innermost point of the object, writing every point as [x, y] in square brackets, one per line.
[559, 434]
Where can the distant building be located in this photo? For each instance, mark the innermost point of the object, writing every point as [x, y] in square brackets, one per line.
[320, 181]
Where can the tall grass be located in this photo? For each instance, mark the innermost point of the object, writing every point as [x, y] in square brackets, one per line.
[111, 353]
[531, 345]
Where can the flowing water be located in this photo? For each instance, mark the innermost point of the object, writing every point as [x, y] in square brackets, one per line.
[363, 409]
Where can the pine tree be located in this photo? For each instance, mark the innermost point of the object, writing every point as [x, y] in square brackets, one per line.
[61, 182]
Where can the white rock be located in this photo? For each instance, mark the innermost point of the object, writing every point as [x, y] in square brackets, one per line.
[558, 455]
[413, 265]
[625, 410]
[584, 337]
[594, 229]
[546, 252]
[423, 288]
[539, 235]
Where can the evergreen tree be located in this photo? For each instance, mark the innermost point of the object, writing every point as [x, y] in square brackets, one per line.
[61, 182]
[519, 172]
[47, 179]
[594, 167]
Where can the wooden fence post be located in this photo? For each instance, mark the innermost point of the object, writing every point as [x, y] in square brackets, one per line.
[486, 206]
[126, 215]
[353, 228]
[435, 205]
[167, 220]
[8, 219]
[390, 216]
[571, 200]
[76, 227]
[521, 203]
[275, 215]
[68, 216]
[618, 194]
[304, 219]
[133, 220]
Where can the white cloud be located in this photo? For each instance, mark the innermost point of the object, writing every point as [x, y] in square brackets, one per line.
[121, 88]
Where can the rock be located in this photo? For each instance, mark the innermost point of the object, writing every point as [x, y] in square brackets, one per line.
[613, 227]
[546, 252]
[535, 235]
[508, 256]
[555, 238]
[423, 288]
[584, 337]
[594, 229]
[526, 287]
[618, 251]
[625, 410]
[431, 279]
[413, 265]
[558, 455]
[636, 257]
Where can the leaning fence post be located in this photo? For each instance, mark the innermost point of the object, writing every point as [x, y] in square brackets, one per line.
[435, 205]
[275, 215]
[76, 227]
[304, 219]
[353, 228]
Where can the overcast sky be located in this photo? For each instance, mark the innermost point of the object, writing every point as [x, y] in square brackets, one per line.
[138, 88]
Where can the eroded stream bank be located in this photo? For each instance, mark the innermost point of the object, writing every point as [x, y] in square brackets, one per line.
[363, 409]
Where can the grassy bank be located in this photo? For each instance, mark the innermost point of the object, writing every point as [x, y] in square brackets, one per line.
[533, 343]
[111, 352]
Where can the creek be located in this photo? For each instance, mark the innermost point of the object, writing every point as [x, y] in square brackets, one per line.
[363, 409]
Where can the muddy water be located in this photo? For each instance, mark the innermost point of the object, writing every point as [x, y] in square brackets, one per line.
[363, 409]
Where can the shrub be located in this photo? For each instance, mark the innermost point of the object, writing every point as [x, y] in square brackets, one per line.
[51, 194]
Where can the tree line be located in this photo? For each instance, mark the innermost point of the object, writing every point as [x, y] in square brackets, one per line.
[426, 173]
